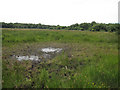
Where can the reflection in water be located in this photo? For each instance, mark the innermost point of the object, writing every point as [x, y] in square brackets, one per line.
[47, 50]
[26, 58]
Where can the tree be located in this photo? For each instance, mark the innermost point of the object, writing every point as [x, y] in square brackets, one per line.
[93, 23]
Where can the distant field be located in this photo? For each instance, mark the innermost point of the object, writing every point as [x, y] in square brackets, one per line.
[88, 59]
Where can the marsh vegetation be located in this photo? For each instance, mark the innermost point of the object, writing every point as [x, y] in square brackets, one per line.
[86, 59]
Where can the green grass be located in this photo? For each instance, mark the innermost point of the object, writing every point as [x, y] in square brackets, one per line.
[90, 60]
[11, 37]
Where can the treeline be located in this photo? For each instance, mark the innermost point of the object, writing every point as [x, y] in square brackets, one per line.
[93, 26]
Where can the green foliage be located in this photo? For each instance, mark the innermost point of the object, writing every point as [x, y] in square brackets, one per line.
[82, 26]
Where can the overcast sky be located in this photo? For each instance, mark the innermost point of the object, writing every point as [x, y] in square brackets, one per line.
[59, 12]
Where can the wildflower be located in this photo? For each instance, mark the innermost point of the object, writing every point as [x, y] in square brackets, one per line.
[94, 83]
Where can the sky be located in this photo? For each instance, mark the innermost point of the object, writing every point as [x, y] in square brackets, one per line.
[59, 12]
[119, 12]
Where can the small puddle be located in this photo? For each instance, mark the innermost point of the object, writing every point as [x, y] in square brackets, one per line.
[27, 58]
[48, 50]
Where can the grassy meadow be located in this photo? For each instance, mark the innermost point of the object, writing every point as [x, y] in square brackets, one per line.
[88, 59]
